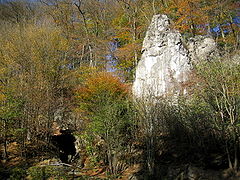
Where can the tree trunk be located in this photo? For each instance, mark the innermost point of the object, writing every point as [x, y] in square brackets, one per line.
[153, 6]
[5, 152]
[91, 56]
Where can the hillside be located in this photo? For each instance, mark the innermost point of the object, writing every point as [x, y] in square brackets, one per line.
[119, 89]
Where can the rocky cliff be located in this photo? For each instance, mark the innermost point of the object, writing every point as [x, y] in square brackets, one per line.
[166, 61]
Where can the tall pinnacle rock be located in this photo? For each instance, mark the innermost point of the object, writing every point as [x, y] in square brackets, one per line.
[164, 65]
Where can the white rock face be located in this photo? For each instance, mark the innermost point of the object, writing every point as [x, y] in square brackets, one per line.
[202, 48]
[164, 65]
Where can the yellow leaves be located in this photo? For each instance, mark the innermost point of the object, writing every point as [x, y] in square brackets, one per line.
[3, 70]
[126, 55]
[31, 59]
[123, 28]
[85, 72]
[46, 37]
[2, 97]
[120, 21]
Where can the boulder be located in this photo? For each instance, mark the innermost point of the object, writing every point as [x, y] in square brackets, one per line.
[202, 48]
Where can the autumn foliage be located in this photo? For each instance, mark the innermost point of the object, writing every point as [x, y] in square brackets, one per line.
[99, 87]
[53, 58]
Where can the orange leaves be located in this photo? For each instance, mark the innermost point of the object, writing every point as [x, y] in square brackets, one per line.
[98, 88]
[189, 15]
[103, 82]
[124, 35]
[126, 55]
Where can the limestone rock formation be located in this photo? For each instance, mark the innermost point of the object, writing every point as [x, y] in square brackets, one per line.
[202, 48]
[166, 61]
[164, 66]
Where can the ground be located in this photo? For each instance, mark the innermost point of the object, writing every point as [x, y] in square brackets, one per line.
[47, 167]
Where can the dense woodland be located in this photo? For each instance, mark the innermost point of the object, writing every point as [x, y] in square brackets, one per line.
[70, 64]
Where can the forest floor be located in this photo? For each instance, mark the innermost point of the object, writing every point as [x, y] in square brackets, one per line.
[17, 167]
[16, 164]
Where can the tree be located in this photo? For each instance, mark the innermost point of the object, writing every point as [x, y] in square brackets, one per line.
[227, 31]
[87, 25]
[10, 114]
[220, 89]
[103, 100]
[129, 25]
[17, 11]
[194, 17]
[35, 64]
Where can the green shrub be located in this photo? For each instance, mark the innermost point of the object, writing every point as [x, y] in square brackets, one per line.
[45, 172]
[18, 174]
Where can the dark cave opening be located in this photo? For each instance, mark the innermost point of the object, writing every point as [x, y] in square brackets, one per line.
[65, 144]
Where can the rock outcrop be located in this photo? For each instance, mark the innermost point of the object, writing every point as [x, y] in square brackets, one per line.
[164, 65]
[166, 61]
[202, 48]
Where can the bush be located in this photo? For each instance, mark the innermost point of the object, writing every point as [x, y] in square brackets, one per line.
[220, 87]
[103, 102]
[18, 174]
[45, 172]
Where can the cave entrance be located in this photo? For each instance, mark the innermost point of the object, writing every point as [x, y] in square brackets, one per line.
[65, 143]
